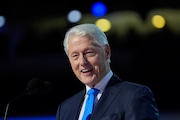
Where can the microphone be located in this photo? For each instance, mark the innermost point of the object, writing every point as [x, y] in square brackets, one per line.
[34, 86]
[37, 86]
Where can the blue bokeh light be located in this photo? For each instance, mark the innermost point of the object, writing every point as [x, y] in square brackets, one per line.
[74, 16]
[2, 21]
[98, 9]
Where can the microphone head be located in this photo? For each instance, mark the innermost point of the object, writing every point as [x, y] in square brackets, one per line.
[37, 86]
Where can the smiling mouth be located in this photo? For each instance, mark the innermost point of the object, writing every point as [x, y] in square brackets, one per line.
[86, 70]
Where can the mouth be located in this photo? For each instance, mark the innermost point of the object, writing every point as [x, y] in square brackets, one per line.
[86, 70]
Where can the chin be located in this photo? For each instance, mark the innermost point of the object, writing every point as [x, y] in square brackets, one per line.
[87, 81]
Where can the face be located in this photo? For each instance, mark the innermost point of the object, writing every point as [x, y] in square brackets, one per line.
[89, 61]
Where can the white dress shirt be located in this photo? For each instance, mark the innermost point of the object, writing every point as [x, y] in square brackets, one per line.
[101, 86]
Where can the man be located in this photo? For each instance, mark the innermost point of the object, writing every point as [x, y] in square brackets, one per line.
[89, 55]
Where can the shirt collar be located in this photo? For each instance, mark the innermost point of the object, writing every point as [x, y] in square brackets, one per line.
[102, 84]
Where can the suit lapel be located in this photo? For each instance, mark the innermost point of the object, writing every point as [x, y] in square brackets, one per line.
[76, 107]
[107, 97]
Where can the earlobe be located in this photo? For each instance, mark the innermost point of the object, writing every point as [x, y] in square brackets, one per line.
[108, 51]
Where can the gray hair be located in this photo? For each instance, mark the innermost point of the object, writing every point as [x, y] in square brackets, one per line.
[93, 31]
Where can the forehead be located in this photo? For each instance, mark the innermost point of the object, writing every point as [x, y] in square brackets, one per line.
[78, 40]
[81, 43]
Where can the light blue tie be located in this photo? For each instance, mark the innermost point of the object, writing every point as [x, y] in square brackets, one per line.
[90, 103]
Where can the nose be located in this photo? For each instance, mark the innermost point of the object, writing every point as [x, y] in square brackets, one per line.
[83, 60]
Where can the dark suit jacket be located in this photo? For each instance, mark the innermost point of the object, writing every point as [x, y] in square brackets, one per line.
[121, 100]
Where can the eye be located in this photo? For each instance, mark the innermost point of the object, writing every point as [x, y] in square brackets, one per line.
[74, 56]
[90, 53]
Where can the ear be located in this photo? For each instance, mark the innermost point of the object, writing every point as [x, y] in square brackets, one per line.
[107, 51]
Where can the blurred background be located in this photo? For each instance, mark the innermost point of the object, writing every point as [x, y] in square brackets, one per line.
[144, 38]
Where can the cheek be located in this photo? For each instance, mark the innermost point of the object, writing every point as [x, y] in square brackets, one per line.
[98, 61]
[74, 65]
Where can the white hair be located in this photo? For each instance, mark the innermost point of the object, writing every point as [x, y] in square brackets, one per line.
[93, 31]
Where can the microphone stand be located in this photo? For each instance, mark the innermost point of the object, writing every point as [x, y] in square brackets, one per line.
[35, 86]
[6, 112]
[7, 106]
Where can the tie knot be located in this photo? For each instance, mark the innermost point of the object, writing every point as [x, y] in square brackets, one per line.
[93, 91]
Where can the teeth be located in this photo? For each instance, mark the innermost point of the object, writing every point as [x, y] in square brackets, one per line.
[84, 70]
